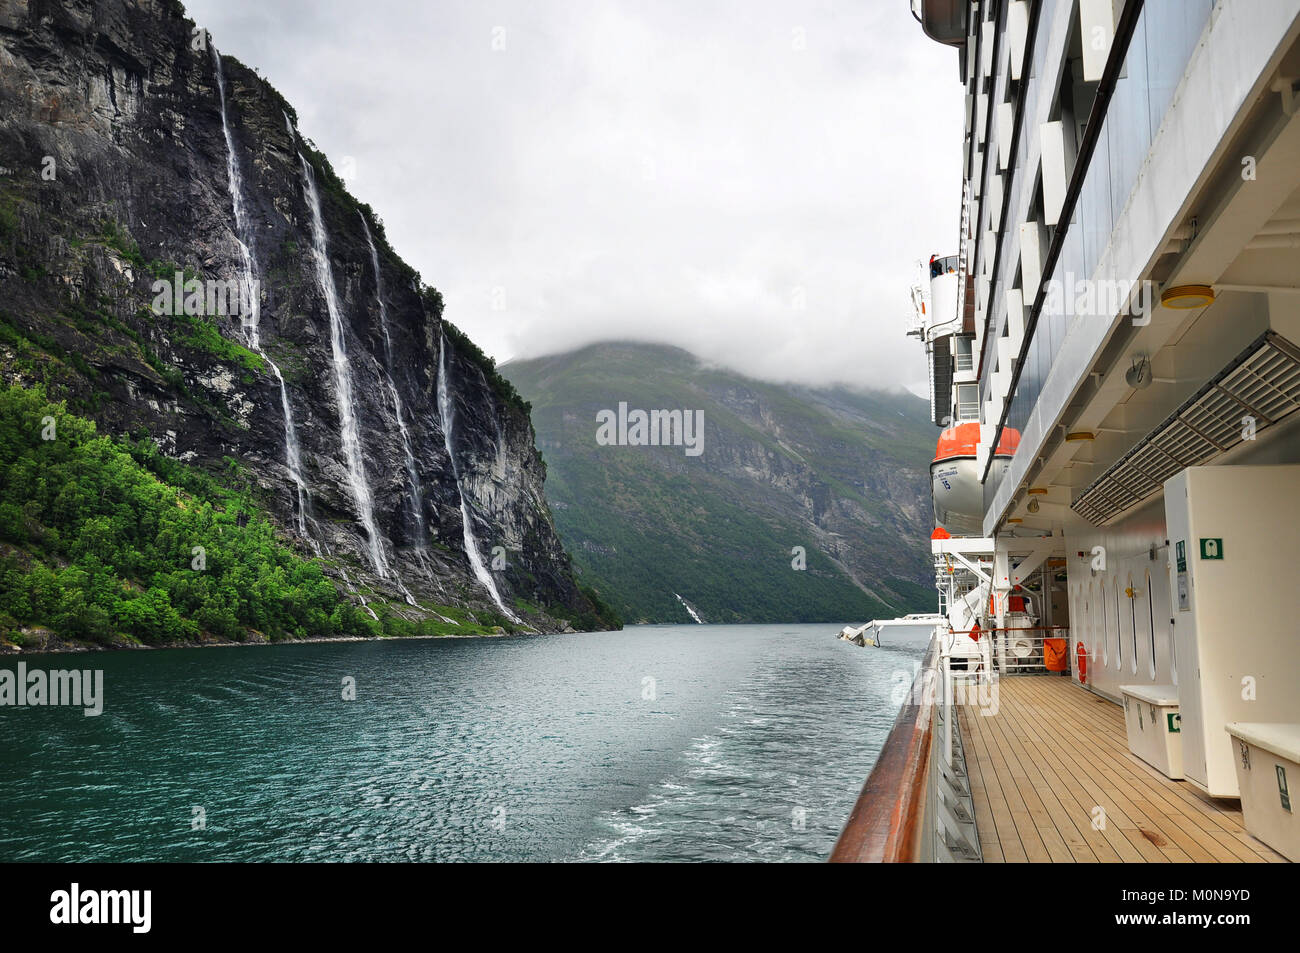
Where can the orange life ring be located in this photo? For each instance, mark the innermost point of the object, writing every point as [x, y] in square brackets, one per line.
[1083, 662]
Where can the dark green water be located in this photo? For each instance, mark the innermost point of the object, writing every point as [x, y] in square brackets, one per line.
[753, 746]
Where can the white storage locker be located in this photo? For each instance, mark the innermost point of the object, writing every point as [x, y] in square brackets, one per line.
[1233, 543]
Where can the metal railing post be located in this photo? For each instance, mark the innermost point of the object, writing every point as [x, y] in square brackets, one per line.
[947, 708]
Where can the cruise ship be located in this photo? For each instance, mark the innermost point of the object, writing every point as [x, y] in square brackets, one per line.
[1113, 348]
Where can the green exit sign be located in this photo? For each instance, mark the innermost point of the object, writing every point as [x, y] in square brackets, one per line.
[1211, 548]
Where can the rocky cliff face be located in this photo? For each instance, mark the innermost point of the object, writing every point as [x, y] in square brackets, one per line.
[801, 504]
[116, 173]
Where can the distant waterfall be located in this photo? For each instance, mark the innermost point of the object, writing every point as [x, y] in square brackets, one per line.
[446, 415]
[412, 474]
[687, 606]
[349, 431]
[250, 311]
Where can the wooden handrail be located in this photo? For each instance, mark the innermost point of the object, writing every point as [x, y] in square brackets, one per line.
[885, 824]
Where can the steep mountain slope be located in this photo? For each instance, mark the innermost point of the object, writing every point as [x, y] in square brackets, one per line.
[838, 473]
[140, 172]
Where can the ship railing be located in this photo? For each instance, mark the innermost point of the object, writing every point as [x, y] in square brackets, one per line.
[1020, 650]
[916, 803]
[886, 822]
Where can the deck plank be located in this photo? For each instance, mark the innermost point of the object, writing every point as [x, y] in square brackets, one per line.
[1167, 817]
[1054, 752]
[1040, 801]
[1004, 831]
[990, 847]
[1145, 840]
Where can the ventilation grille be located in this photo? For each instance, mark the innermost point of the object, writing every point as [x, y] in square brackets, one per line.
[1263, 383]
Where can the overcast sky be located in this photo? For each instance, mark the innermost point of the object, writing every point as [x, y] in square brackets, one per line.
[748, 179]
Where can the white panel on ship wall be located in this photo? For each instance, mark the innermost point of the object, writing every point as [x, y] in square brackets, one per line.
[1031, 258]
[1058, 151]
[1015, 302]
[1097, 31]
[1006, 357]
[1234, 605]
[1017, 35]
[1006, 127]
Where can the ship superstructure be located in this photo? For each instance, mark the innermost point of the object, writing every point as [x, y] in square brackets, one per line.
[1114, 359]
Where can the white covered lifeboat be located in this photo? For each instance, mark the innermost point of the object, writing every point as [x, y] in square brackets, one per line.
[955, 477]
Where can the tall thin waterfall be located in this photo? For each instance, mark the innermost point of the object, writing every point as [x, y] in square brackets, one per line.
[349, 431]
[250, 310]
[446, 415]
[412, 474]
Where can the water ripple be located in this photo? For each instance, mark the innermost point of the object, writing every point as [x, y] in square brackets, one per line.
[656, 743]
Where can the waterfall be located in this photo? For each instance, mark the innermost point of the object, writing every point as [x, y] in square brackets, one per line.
[412, 474]
[250, 309]
[349, 431]
[356, 592]
[687, 606]
[446, 416]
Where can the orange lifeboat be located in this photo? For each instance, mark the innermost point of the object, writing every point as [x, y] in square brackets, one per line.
[955, 483]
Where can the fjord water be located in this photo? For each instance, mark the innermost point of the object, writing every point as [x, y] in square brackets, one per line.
[657, 743]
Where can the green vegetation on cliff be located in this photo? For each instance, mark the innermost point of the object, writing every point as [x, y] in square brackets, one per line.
[106, 541]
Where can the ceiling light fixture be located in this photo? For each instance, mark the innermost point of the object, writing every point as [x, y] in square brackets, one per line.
[1187, 297]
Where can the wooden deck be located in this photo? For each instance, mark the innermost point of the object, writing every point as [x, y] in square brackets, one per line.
[1055, 752]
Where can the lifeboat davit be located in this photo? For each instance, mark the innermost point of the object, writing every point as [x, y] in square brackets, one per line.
[955, 483]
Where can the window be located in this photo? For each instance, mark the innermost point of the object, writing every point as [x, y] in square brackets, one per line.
[1132, 624]
[964, 355]
[968, 402]
[1119, 639]
[1100, 624]
[1151, 622]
